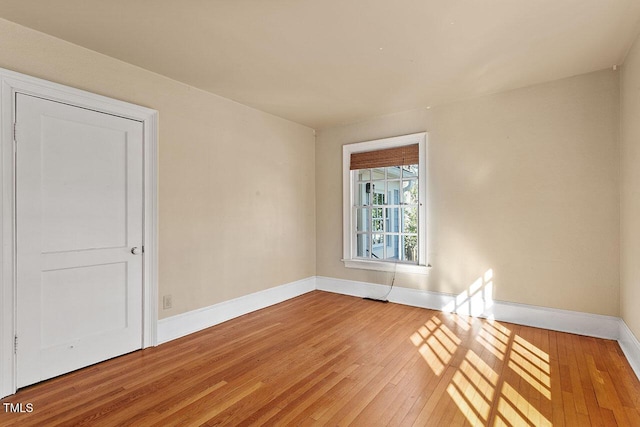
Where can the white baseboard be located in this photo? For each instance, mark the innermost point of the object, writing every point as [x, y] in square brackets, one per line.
[196, 320]
[630, 347]
[405, 296]
[575, 322]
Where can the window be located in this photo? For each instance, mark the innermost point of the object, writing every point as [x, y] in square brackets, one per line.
[384, 197]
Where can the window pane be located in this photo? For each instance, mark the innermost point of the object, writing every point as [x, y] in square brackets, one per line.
[410, 220]
[410, 248]
[393, 172]
[393, 192]
[363, 174]
[410, 192]
[393, 220]
[362, 219]
[410, 171]
[378, 193]
[377, 225]
[377, 173]
[393, 247]
[377, 246]
[362, 246]
[362, 197]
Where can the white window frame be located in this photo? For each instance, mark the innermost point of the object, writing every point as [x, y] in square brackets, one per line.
[349, 220]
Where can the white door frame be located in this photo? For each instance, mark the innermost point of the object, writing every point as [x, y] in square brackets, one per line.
[11, 83]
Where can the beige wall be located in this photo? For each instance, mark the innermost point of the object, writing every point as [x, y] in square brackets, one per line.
[630, 189]
[237, 202]
[524, 183]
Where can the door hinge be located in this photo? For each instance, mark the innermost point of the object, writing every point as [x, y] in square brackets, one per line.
[15, 344]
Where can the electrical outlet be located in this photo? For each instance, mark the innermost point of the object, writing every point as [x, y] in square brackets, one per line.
[167, 302]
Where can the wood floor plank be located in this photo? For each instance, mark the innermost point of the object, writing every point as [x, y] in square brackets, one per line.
[557, 404]
[328, 359]
[358, 403]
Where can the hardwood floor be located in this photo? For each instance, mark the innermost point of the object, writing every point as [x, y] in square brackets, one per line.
[327, 359]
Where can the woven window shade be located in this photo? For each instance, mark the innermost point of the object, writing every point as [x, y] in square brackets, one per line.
[397, 156]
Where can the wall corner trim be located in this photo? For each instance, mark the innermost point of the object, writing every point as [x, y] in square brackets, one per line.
[630, 347]
[187, 323]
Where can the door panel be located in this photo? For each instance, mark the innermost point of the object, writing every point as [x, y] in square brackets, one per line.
[79, 212]
[96, 295]
[89, 191]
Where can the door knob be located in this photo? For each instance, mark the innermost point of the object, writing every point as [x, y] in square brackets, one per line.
[136, 250]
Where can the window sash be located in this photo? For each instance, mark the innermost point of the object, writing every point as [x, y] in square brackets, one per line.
[364, 223]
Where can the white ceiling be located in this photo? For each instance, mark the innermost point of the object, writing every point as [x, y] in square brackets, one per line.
[327, 62]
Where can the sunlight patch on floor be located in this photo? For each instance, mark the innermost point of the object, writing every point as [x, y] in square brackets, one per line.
[475, 386]
[436, 343]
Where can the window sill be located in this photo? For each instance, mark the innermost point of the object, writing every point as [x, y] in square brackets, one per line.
[386, 266]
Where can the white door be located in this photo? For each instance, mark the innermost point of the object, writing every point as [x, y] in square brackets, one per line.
[79, 215]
